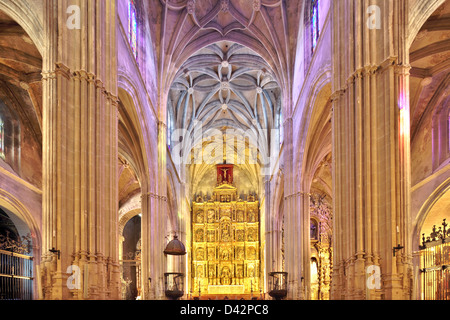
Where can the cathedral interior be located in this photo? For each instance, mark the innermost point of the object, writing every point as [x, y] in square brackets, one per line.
[224, 149]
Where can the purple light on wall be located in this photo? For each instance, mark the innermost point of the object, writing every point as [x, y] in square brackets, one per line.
[402, 101]
[315, 23]
[448, 130]
[132, 27]
[403, 105]
[2, 139]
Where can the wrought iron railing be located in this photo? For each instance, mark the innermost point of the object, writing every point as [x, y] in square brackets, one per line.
[16, 276]
[435, 264]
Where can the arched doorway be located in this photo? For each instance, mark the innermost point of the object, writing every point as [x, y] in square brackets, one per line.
[130, 225]
[321, 248]
[435, 250]
[16, 258]
[131, 260]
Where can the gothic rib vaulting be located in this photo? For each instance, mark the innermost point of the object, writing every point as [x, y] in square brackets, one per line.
[224, 149]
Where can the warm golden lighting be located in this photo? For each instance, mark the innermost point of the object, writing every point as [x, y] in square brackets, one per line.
[226, 242]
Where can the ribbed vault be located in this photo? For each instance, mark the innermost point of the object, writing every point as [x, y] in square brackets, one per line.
[225, 94]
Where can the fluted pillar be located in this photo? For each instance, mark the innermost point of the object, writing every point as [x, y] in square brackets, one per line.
[370, 148]
[294, 230]
[80, 116]
[146, 259]
[162, 207]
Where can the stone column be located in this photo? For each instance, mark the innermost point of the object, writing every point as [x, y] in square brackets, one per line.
[270, 230]
[371, 148]
[146, 245]
[293, 219]
[162, 209]
[80, 201]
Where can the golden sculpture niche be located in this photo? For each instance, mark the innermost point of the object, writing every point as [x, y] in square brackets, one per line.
[225, 241]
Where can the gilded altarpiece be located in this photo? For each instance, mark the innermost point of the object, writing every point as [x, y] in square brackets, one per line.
[321, 248]
[225, 242]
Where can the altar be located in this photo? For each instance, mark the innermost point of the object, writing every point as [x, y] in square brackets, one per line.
[225, 255]
[222, 289]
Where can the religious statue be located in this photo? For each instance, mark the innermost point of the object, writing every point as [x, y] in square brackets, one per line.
[199, 235]
[239, 235]
[200, 272]
[211, 254]
[212, 272]
[226, 276]
[200, 254]
[240, 272]
[224, 177]
[240, 254]
[251, 271]
[225, 255]
[251, 235]
[251, 253]
[200, 217]
[226, 232]
[240, 216]
[251, 216]
[211, 216]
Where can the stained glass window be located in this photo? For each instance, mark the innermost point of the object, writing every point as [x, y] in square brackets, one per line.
[315, 24]
[281, 128]
[169, 130]
[132, 27]
[2, 139]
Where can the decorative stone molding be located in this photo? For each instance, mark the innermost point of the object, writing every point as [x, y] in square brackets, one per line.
[155, 196]
[62, 69]
[191, 7]
[256, 5]
[224, 5]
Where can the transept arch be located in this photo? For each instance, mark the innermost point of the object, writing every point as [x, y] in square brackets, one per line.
[21, 120]
[20, 214]
[315, 166]
[26, 14]
[419, 14]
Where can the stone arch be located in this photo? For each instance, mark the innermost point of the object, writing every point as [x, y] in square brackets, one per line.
[16, 207]
[137, 118]
[319, 100]
[131, 209]
[275, 226]
[433, 198]
[315, 144]
[27, 17]
[419, 14]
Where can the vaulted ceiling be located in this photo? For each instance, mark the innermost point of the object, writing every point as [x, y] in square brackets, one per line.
[261, 25]
[221, 88]
[226, 64]
[430, 61]
[226, 86]
[20, 75]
